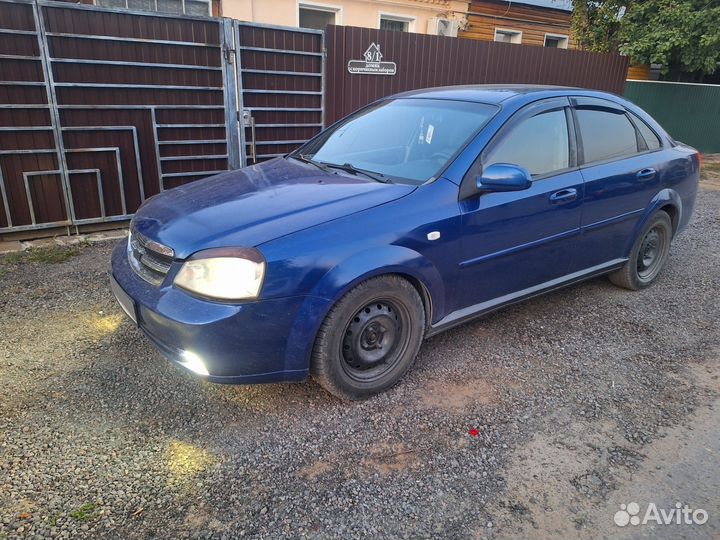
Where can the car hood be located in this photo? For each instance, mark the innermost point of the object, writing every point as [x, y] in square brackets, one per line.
[254, 205]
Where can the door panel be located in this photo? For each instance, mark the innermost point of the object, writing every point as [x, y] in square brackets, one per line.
[619, 185]
[515, 240]
[616, 195]
[512, 241]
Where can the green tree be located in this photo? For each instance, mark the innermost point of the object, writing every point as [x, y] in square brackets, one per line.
[596, 24]
[681, 35]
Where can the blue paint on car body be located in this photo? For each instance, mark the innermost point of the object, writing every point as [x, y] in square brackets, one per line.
[322, 232]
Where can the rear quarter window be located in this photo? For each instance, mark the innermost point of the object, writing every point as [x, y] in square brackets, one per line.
[651, 139]
[606, 134]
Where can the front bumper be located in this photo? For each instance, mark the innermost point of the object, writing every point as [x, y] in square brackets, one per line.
[252, 342]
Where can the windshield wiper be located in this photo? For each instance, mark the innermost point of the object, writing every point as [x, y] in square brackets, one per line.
[349, 167]
[305, 159]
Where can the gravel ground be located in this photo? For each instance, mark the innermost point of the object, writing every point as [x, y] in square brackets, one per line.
[577, 397]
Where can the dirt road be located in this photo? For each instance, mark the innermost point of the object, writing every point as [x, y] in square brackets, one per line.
[538, 421]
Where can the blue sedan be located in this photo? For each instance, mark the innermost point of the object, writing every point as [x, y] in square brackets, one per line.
[413, 215]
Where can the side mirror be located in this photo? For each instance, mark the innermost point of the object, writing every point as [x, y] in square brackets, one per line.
[503, 177]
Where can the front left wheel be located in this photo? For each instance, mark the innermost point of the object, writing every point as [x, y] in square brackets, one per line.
[370, 338]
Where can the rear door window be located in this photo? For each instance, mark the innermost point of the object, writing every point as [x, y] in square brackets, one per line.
[540, 144]
[652, 142]
[606, 134]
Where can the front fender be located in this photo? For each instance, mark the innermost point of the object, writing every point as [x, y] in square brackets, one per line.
[346, 275]
[664, 198]
[384, 260]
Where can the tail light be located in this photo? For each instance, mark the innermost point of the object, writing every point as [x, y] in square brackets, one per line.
[699, 162]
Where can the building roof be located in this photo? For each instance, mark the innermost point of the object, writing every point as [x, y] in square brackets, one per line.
[565, 5]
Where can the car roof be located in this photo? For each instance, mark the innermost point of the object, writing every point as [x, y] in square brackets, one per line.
[516, 96]
[494, 93]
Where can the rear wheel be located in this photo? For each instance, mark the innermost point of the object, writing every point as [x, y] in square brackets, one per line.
[370, 338]
[648, 255]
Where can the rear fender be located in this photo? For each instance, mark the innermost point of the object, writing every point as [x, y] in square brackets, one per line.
[664, 198]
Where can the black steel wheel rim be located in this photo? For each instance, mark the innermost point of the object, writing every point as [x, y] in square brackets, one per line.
[651, 253]
[375, 340]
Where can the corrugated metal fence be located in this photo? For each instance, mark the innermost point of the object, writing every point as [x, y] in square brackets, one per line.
[423, 61]
[280, 74]
[102, 108]
[689, 112]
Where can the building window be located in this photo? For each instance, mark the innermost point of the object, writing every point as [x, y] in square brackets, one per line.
[397, 23]
[556, 41]
[179, 7]
[508, 36]
[317, 16]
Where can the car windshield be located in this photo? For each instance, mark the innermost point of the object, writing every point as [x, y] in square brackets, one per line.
[403, 139]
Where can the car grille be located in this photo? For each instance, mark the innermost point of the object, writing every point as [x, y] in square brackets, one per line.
[149, 259]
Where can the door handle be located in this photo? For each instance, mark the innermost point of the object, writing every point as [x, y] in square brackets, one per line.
[646, 174]
[564, 195]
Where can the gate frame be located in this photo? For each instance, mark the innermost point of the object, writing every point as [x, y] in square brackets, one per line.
[229, 33]
[226, 48]
[43, 55]
[239, 73]
[230, 78]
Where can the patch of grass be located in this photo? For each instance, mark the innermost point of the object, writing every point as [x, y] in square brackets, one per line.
[85, 513]
[14, 257]
[46, 255]
[710, 170]
[54, 519]
[52, 254]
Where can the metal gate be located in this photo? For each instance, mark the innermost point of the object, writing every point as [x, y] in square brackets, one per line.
[103, 108]
[281, 82]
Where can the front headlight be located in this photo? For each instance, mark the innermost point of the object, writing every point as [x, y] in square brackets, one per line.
[223, 274]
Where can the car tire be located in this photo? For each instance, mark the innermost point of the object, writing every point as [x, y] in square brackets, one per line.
[648, 255]
[369, 339]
